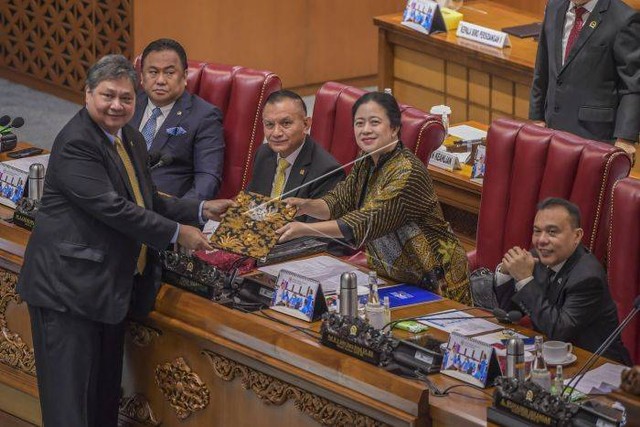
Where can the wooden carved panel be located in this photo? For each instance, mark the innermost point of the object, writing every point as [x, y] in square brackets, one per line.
[57, 41]
[13, 350]
[141, 335]
[183, 388]
[137, 408]
[276, 392]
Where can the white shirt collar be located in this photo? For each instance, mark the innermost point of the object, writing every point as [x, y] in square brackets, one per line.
[165, 110]
[590, 5]
[291, 158]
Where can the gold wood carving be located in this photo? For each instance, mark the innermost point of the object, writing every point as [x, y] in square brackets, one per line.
[13, 350]
[184, 389]
[137, 408]
[140, 334]
[276, 392]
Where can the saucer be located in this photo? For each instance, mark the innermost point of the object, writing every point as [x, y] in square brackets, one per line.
[567, 361]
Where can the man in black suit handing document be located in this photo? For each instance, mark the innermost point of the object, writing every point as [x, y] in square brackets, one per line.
[587, 74]
[93, 254]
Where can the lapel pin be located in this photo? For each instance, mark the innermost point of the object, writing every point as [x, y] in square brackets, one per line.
[301, 171]
[593, 24]
[179, 113]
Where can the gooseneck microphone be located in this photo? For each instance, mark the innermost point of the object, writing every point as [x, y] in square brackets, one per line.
[165, 160]
[15, 124]
[603, 347]
[4, 120]
[502, 316]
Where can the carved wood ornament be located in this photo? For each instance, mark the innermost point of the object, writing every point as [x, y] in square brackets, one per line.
[140, 334]
[276, 392]
[14, 351]
[184, 389]
[138, 409]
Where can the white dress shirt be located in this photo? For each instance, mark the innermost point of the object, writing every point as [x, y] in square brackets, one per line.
[161, 118]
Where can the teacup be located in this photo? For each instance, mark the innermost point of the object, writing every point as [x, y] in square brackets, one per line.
[556, 351]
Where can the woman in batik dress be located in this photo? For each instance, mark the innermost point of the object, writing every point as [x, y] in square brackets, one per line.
[387, 204]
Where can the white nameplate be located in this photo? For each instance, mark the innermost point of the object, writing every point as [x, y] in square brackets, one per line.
[483, 35]
[444, 160]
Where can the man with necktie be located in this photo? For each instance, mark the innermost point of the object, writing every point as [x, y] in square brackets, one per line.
[93, 255]
[291, 164]
[559, 284]
[587, 74]
[178, 124]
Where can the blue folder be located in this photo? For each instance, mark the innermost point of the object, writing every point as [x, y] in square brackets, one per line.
[404, 294]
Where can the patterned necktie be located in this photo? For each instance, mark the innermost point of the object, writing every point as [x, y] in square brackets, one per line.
[278, 181]
[575, 30]
[149, 129]
[137, 194]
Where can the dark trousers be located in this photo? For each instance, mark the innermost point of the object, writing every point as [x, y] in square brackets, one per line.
[79, 368]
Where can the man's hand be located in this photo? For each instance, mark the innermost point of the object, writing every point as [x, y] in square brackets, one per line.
[518, 263]
[213, 209]
[292, 230]
[540, 123]
[629, 147]
[191, 238]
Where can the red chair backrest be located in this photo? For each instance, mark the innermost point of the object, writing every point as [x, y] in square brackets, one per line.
[240, 93]
[526, 164]
[624, 257]
[332, 125]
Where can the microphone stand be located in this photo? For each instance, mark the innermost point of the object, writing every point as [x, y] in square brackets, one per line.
[603, 347]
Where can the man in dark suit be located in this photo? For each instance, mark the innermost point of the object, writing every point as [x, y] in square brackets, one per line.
[561, 286]
[587, 74]
[291, 164]
[178, 124]
[93, 254]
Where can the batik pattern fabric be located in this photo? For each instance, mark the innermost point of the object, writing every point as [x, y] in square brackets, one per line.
[391, 208]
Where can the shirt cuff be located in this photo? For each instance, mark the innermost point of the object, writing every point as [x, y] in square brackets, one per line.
[522, 283]
[175, 235]
[200, 216]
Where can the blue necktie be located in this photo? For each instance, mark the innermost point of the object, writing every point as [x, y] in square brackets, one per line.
[149, 129]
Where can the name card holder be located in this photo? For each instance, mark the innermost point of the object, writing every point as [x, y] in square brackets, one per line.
[470, 360]
[444, 160]
[477, 33]
[298, 296]
[424, 16]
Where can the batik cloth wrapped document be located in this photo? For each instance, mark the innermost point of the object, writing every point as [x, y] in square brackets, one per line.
[250, 228]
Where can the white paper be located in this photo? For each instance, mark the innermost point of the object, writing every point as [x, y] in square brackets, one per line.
[462, 157]
[471, 326]
[210, 227]
[466, 132]
[601, 379]
[323, 268]
[24, 163]
[496, 337]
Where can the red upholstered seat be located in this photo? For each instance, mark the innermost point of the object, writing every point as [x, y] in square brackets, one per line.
[526, 164]
[239, 92]
[332, 125]
[624, 257]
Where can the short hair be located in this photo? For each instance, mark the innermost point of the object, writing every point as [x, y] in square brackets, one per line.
[111, 67]
[165, 44]
[388, 104]
[281, 95]
[572, 209]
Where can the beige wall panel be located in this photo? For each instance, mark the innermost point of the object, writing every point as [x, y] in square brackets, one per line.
[479, 114]
[522, 101]
[456, 79]
[495, 115]
[502, 95]
[479, 88]
[416, 96]
[418, 68]
[458, 109]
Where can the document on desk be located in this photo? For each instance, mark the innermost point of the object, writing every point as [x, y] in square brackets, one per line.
[323, 268]
[450, 321]
[601, 380]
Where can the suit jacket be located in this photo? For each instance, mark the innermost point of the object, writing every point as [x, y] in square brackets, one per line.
[596, 94]
[312, 162]
[576, 307]
[83, 250]
[198, 154]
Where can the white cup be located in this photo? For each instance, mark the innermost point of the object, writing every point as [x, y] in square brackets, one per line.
[556, 351]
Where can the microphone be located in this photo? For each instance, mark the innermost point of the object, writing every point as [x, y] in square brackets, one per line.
[154, 157]
[603, 347]
[514, 316]
[4, 120]
[15, 124]
[165, 160]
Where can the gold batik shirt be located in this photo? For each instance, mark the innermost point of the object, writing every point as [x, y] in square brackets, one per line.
[392, 209]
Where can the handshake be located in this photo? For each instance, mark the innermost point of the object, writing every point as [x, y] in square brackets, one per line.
[192, 238]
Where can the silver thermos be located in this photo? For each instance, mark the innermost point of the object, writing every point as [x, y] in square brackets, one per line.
[349, 294]
[515, 358]
[36, 181]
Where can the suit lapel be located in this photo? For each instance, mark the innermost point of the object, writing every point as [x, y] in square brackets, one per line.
[560, 280]
[141, 106]
[117, 162]
[299, 170]
[176, 115]
[589, 27]
[266, 172]
[138, 164]
[558, 29]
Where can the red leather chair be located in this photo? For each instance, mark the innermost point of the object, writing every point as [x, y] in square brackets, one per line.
[240, 93]
[332, 125]
[624, 257]
[526, 164]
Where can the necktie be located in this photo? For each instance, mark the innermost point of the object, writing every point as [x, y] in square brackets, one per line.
[149, 129]
[575, 30]
[278, 181]
[137, 194]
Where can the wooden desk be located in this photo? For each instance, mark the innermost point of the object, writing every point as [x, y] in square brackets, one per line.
[193, 362]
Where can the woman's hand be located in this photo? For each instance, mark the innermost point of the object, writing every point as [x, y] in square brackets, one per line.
[301, 205]
[292, 230]
[316, 208]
